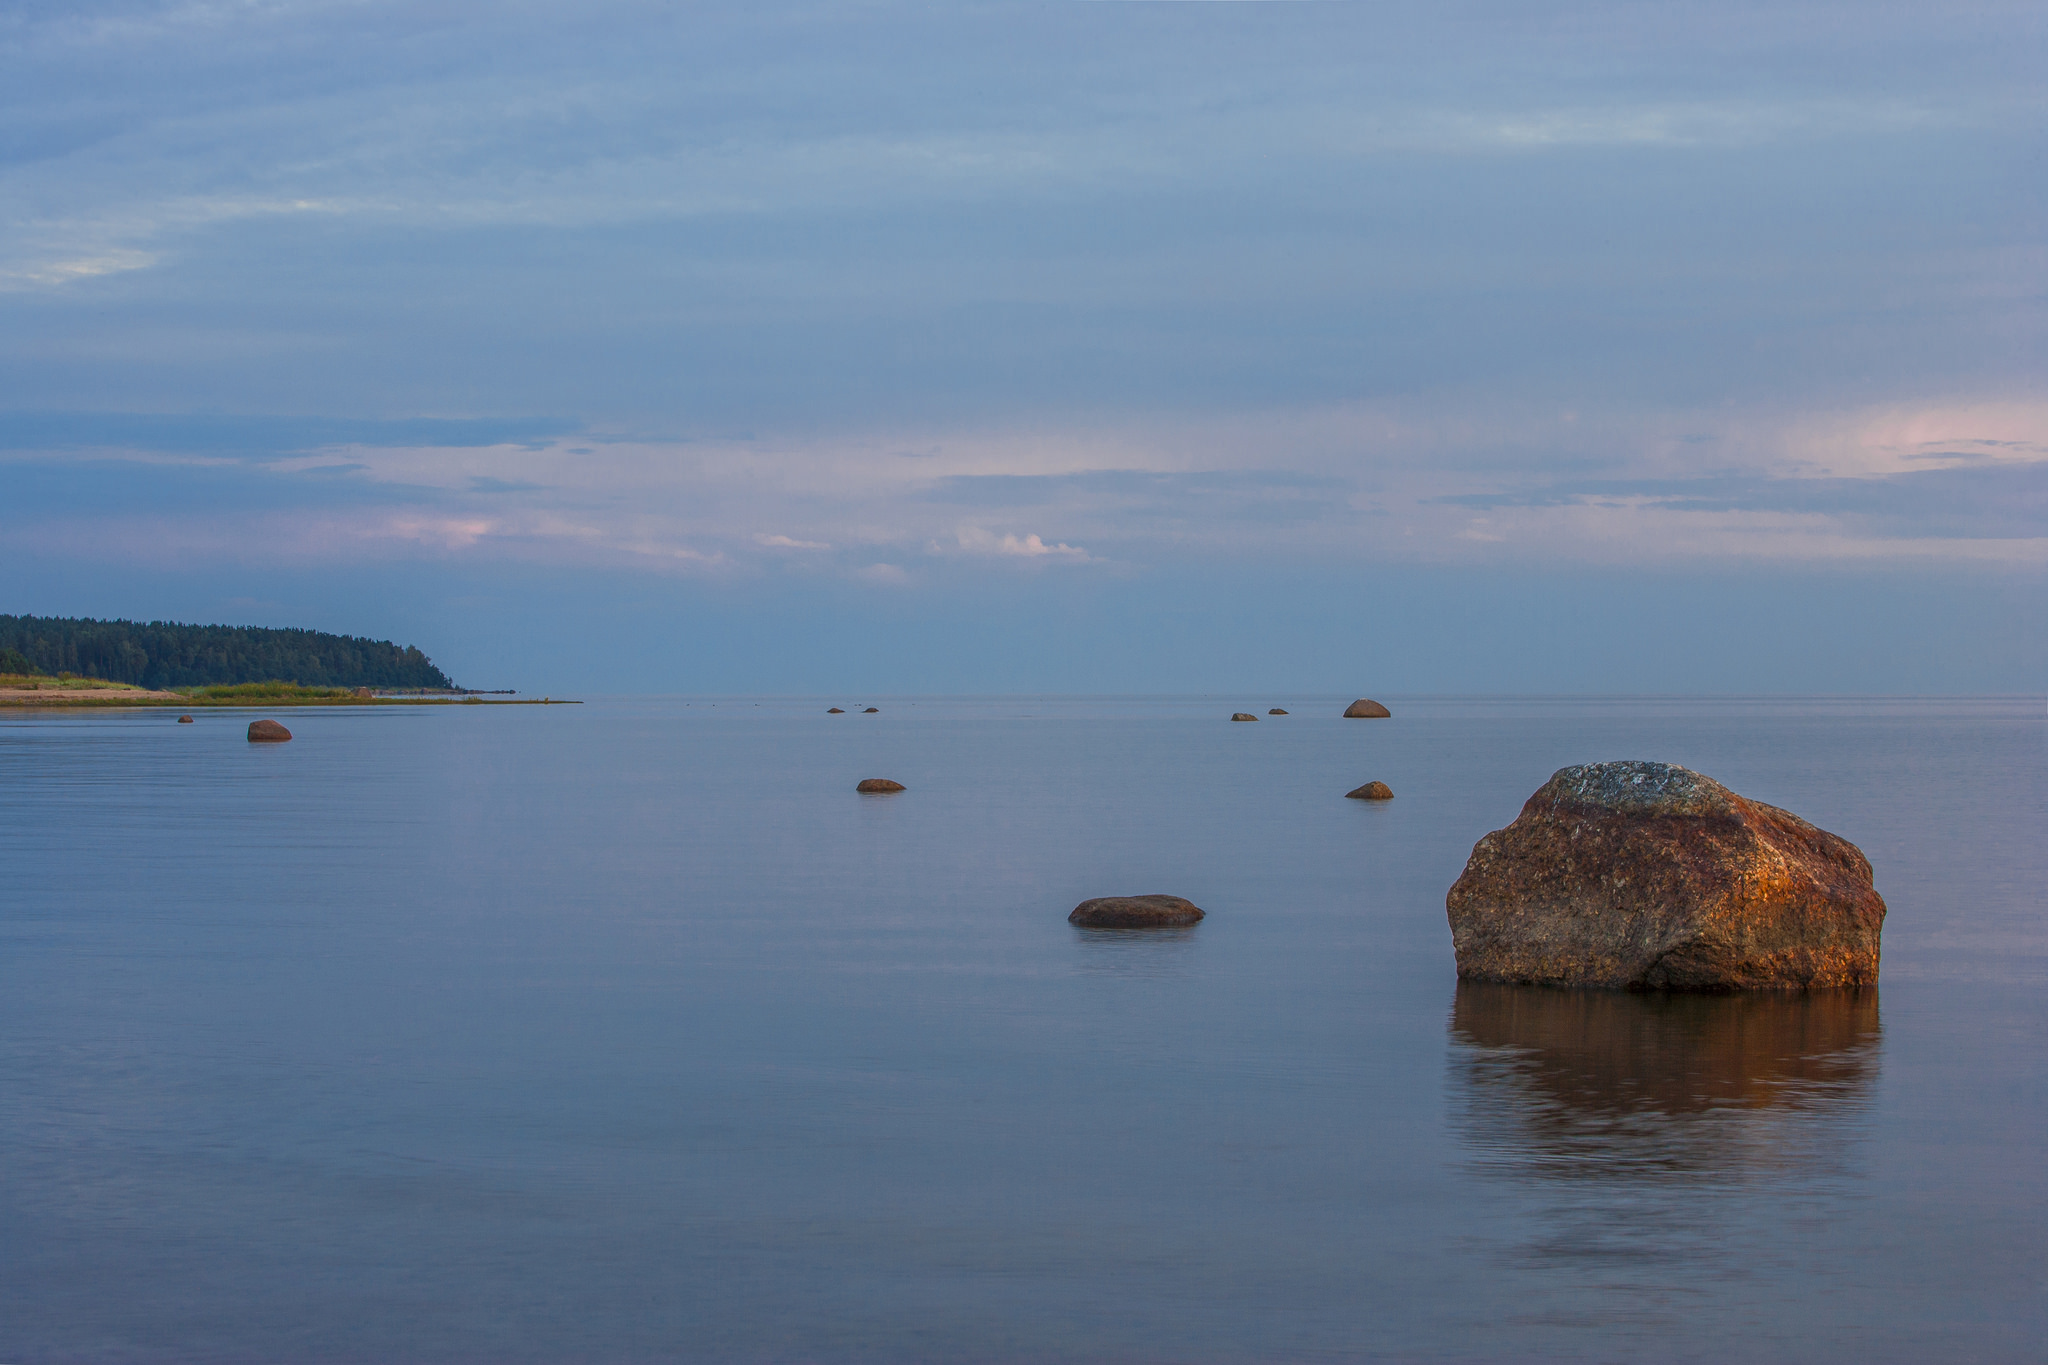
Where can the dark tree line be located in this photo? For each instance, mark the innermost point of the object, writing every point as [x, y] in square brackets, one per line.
[166, 654]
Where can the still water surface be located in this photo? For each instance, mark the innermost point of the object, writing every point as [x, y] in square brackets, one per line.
[628, 1031]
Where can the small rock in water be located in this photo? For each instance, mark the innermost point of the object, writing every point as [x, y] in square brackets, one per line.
[875, 785]
[1366, 709]
[1372, 791]
[1649, 876]
[184, 720]
[1243, 715]
[835, 710]
[1134, 912]
[267, 732]
[871, 710]
[1276, 711]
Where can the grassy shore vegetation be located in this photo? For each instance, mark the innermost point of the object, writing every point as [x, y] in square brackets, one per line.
[28, 681]
[270, 691]
[42, 689]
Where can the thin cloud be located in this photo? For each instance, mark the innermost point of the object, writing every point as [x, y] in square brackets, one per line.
[975, 540]
[69, 270]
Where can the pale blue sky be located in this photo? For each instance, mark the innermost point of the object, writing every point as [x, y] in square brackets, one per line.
[1071, 346]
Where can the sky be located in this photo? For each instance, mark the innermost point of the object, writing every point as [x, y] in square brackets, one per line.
[1056, 346]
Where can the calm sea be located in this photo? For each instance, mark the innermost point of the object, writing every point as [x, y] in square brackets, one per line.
[627, 1031]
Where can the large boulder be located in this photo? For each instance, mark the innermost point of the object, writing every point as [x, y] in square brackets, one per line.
[1366, 709]
[878, 786]
[267, 732]
[1371, 791]
[1134, 912]
[1649, 876]
[1242, 715]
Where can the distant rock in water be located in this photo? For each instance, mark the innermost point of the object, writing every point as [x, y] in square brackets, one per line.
[871, 710]
[1649, 876]
[1243, 715]
[267, 732]
[877, 785]
[1134, 912]
[1276, 711]
[1371, 791]
[184, 720]
[1366, 709]
[835, 710]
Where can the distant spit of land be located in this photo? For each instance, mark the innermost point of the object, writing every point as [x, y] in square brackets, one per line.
[62, 661]
[158, 655]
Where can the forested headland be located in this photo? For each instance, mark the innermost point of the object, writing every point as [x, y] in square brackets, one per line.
[165, 654]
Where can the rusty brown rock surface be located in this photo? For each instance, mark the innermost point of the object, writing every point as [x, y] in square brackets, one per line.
[1242, 715]
[1371, 791]
[875, 786]
[1649, 876]
[1134, 912]
[1365, 708]
[267, 732]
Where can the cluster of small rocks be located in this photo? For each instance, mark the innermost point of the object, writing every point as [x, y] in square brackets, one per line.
[1362, 709]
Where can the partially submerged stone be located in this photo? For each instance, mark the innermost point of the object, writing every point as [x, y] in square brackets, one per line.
[267, 732]
[835, 710]
[871, 710]
[1277, 711]
[1366, 709]
[184, 720]
[1371, 791]
[1649, 876]
[876, 786]
[1242, 715]
[1134, 912]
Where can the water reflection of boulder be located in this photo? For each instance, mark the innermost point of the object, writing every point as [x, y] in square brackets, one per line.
[1602, 1085]
[1635, 1143]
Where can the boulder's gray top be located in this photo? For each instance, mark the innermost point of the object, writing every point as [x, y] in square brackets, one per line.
[1634, 787]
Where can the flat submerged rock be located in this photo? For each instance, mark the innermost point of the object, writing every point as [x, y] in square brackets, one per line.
[879, 786]
[1649, 876]
[1134, 912]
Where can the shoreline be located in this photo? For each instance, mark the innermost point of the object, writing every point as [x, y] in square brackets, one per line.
[35, 700]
